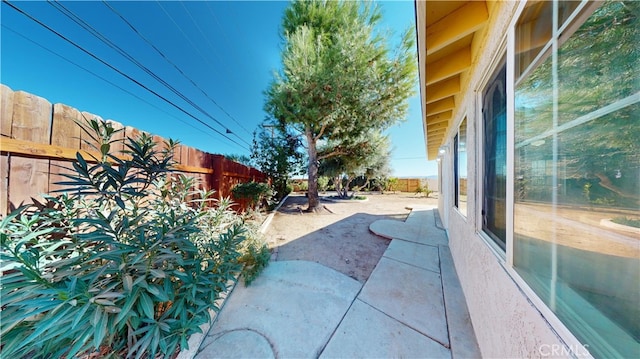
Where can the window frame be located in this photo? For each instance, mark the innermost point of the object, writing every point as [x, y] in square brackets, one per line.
[456, 172]
[496, 63]
[456, 167]
[575, 346]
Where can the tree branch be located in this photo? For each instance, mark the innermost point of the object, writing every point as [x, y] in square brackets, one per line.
[322, 129]
[332, 154]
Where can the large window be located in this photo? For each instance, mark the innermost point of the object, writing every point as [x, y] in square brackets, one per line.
[494, 174]
[577, 167]
[460, 168]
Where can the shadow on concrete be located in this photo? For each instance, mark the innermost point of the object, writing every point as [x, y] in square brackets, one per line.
[345, 245]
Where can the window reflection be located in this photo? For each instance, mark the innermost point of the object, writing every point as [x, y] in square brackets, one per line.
[577, 165]
[494, 180]
[462, 167]
[533, 32]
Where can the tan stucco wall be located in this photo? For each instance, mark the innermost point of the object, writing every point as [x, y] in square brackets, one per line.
[506, 324]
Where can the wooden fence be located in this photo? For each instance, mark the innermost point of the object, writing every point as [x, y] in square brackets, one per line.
[38, 139]
[411, 184]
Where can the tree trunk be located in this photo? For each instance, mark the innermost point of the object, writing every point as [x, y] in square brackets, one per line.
[337, 184]
[345, 189]
[312, 173]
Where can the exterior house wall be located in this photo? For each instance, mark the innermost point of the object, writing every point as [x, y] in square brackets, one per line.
[506, 322]
[542, 272]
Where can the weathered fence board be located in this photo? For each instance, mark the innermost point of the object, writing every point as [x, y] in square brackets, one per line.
[411, 184]
[4, 183]
[30, 121]
[64, 130]
[38, 140]
[6, 110]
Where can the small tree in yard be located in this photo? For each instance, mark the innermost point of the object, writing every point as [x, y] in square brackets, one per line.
[339, 79]
[275, 153]
[367, 156]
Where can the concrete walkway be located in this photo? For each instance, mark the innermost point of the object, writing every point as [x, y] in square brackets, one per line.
[411, 306]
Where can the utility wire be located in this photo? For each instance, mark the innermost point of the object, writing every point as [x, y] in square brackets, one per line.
[193, 20]
[185, 35]
[175, 66]
[58, 6]
[102, 78]
[118, 71]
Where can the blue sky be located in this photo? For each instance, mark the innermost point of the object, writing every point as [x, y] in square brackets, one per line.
[228, 49]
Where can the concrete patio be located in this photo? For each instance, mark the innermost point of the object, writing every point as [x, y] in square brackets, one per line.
[411, 306]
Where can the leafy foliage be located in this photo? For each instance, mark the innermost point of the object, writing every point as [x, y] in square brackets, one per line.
[127, 261]
[276, 154]
[391, 184]
[300, 185]
[242, 159]
[597, 66]
[627, 221]
[323, 183]
[256, 254]
[367, 156]
[339, 79]
[255, 192]
[423, 188]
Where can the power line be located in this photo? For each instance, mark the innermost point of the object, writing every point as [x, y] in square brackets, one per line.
[200, 30]
[118, 49]
[184, 34]
[176, 67]
[193, 20]
[119, 71]
[102, 78]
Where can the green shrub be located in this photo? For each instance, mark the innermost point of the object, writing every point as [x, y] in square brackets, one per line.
[254, 192]
[128, 261]
[626, 221]
[323, 183]
[423, 187]
[391, 184]
[299, 185]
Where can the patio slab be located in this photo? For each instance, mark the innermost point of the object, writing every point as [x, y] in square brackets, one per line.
[392, 229]
[295, 306]
[419, 227]
[409, 294]
[463, 339]
[419, 255]
[411, 306]
[241, 343]
[367, 332]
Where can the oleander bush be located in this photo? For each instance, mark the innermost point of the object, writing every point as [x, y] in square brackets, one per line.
[127, 261]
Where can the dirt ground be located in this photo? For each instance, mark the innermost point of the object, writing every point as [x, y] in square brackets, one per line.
[340, 240]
